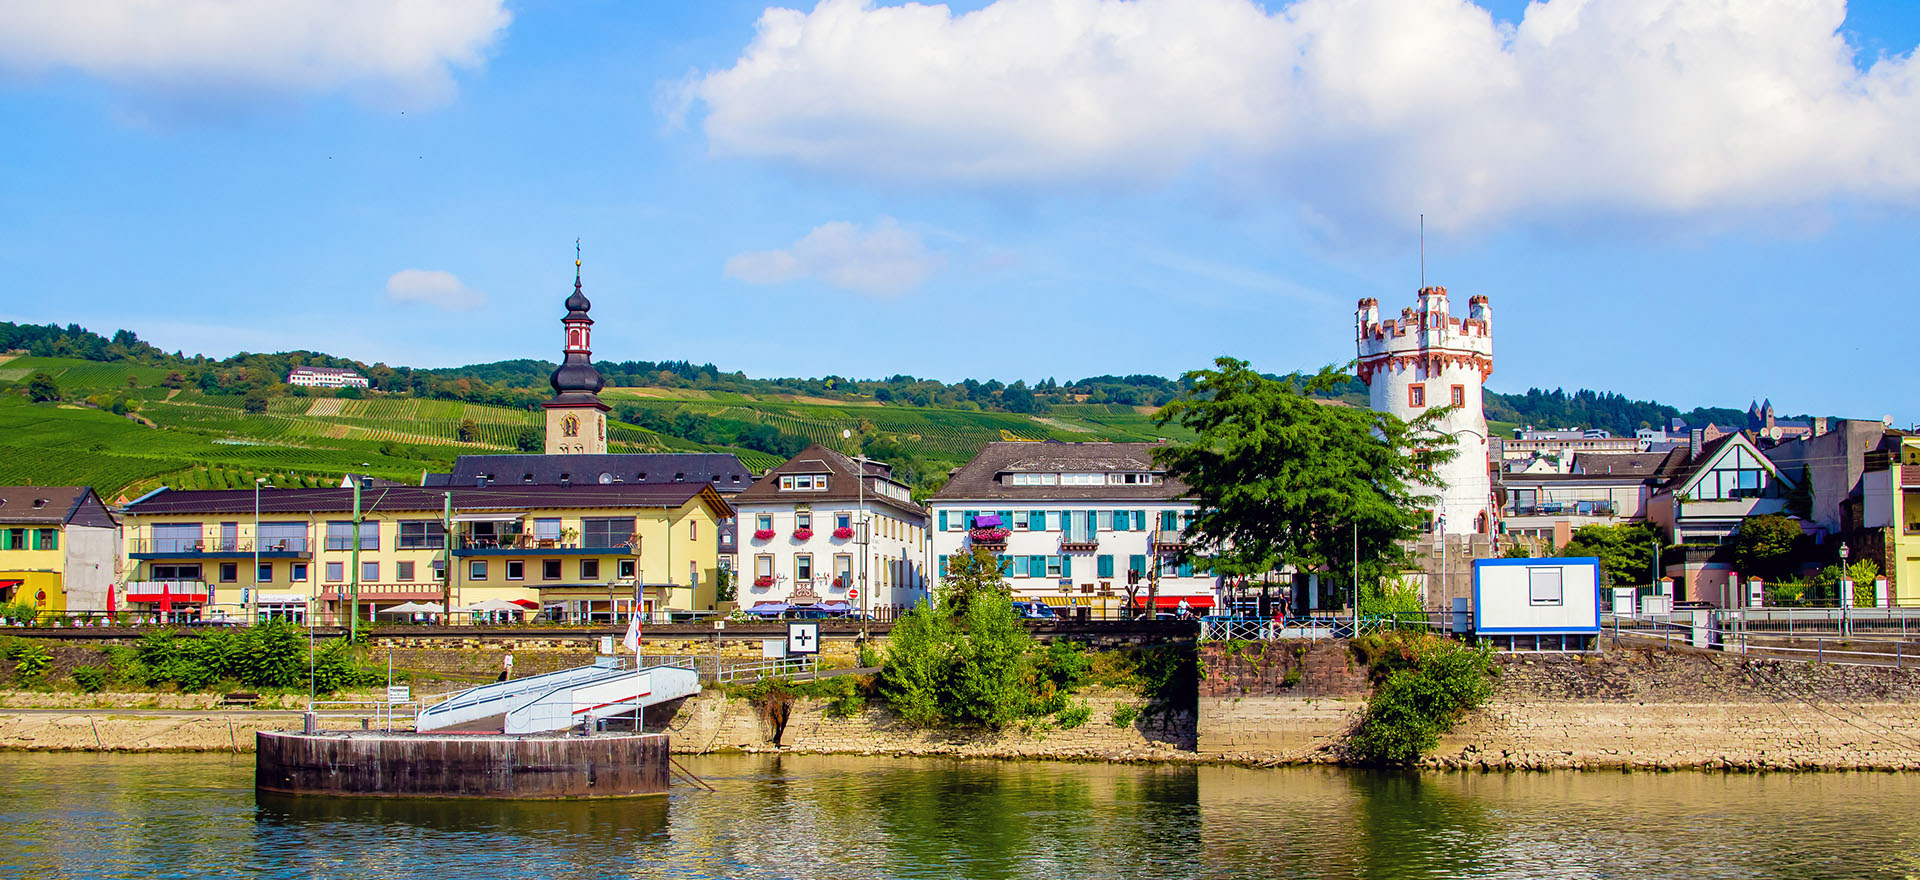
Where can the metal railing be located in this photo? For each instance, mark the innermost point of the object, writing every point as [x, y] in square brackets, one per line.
[372, 713]
[1222, 628]
[724, 669]
[222, 544]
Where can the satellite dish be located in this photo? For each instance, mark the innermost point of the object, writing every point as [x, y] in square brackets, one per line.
[606, 479]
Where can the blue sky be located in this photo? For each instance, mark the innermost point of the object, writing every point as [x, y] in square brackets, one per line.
[1690, 200]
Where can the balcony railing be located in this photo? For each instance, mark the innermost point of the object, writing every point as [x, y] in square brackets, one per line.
[345, 542]
[220, 546]
[1563, 508]
[1168, 540]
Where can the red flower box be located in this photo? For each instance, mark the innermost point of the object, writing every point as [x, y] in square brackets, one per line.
[762, 534]
[802, 534]
[989, 536]
[842, 533]
[764, 581]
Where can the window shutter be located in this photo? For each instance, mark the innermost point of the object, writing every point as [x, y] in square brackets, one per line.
[943, 559]
[1006, 565]
[1006, 518]
[1019, 566]
[967, 520]
[1039, 519]
[1139, 520]
[1066, 566]
[1037, 566]
[1103, 566]
[1093, 524]
[1137, 563]
[1186, 569]
[943, 527]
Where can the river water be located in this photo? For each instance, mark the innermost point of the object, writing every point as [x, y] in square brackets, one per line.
[845, 818]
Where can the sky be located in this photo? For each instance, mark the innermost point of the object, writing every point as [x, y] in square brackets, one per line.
[1702, 202]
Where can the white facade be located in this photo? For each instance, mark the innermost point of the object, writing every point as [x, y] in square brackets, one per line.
[829, 564]
[326, 377]
[1427, 358]
[1077, 552]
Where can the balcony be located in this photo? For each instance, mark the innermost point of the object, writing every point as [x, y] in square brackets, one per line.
[1079, 540]
[391, 592]
[991, 538]
[1563, 508]
[165, 592]
[1168, 542]
[289, 547]
[1731, 508]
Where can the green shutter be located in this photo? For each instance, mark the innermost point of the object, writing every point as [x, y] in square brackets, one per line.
[943, 559]
[1037, 566]
[1139, 520]
[1006, 565]
[1019, 566]
[1066, 566]
[1137, 563]
[1006, 518]
[33, 539]
[1186, 569]
[966, 519]
[1037, 520]
[1103, 565]
[943, 527]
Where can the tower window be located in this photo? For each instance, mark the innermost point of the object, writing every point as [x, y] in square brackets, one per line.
[1459, 395]
[1416, 395]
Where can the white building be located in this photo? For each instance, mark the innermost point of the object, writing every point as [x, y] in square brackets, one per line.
[1069, 521]
[800, 539]
[326, 377]
[1428, 358]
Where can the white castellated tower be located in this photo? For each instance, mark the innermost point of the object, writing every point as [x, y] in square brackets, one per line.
[1426, 359]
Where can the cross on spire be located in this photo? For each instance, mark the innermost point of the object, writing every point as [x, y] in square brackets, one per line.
[576, 263]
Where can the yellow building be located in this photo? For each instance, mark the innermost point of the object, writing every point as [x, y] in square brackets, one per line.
[57, 549]
[571, 553]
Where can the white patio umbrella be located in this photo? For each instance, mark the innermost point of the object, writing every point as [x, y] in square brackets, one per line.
[493, 605]
[413, 608]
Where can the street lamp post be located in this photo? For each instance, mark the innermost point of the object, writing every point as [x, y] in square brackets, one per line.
[1845, 588]
[253, 596]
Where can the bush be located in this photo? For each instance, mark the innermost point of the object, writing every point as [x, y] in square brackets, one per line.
[270, 656]
[30, 662]
[1074, 716]
[990, 668]
[1423, 685]
[1065, 663]
[919, 651]
[1124, 714]
[91, 679]
[867, 657]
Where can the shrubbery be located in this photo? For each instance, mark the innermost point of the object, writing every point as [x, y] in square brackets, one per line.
[271, 655]
[1422, 686]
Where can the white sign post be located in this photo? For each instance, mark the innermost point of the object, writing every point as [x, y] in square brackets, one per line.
[803, 638]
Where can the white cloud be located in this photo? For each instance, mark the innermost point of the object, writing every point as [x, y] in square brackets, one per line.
[887, 260]
[191, 51]
[435, 288]
[1358, 110]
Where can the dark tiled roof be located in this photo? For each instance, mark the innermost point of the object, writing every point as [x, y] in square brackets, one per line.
[721, 470]
[979, 479]
[1621, 464]
[1679, 467]
[411, 498]
[52, 505]
[817, 459]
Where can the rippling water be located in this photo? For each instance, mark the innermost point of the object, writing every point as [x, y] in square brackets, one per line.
[162, 816]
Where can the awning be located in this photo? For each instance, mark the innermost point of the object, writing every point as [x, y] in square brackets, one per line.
[987, 521]
[528, 604]
[769, 608]
[488, 517]
[834, 606]
[1171, 603]
[492, 605]
[281, 599]
[412, 608]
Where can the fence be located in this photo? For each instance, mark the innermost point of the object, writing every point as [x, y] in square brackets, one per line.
[1881, 643]
[1225, 628]
[719, 669]
[370, 713]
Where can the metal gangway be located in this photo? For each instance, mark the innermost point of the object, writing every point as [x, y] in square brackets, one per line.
[559, 700]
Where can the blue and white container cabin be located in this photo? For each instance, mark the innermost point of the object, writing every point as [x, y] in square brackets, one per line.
[1550, 604]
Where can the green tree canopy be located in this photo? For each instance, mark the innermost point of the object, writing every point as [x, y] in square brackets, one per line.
[1625, 550]
[1280, 479]
[971, 576]
[41, 388]
[1767, 546]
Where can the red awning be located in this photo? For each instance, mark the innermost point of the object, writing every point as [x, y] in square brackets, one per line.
[8, 585]
[528, 604]
[1173, 602]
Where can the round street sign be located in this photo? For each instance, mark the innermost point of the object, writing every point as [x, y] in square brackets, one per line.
[853, 593]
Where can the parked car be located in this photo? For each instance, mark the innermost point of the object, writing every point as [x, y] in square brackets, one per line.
[1034, 611]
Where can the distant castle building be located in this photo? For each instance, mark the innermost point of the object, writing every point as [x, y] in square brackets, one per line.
[576, 419]
[1428, 358]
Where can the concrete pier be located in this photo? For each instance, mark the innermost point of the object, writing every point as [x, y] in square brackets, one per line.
[416, 765]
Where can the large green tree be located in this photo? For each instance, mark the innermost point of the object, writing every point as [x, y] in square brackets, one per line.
[41, 388]
[1625, 550]
[1279, 479]
[972, 575]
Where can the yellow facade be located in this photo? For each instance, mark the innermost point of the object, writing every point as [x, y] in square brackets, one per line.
[31, 554]
[1905, 552]
[307, 560]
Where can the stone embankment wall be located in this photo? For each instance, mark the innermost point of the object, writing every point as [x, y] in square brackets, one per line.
[714, 722]
[1653, 709]
[1285, 702]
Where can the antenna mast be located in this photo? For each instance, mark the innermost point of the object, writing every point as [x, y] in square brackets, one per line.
[1423, 251]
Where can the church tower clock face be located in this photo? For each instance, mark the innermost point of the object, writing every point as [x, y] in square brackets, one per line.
[570, 426]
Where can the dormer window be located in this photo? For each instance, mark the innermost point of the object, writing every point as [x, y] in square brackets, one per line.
[679, 477]
[39, 503]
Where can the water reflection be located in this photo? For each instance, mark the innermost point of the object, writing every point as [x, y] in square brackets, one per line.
[164, 816]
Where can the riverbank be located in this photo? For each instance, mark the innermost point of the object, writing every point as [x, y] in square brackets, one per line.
[1284, 705]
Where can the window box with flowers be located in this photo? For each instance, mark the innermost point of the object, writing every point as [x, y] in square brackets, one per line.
[764, 581]
[839, 583]
[763, 534]
[842, 533]
[802, 534]
[988, 536]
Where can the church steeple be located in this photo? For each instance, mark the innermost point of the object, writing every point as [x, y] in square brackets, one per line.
[576, 419]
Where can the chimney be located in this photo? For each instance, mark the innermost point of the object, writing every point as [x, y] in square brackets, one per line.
[1696, 438]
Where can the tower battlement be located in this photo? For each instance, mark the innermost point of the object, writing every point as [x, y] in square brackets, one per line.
[1428, 332]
